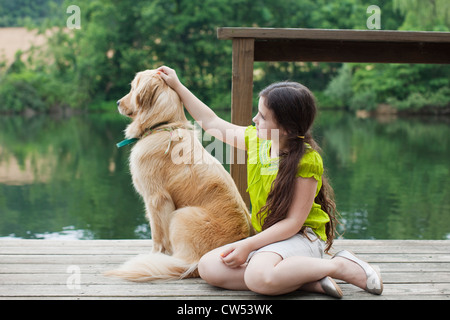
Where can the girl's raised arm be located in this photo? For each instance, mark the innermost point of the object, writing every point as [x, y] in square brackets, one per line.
[225, 131]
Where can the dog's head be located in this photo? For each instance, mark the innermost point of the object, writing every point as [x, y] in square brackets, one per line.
[150, 102]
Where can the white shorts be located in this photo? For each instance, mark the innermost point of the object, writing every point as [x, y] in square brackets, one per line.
[297, 245]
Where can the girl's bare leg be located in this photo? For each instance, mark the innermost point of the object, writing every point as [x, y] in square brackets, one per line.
[267, 273]
[215, 272]
[263, 275]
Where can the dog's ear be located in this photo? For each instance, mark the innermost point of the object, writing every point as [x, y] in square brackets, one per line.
[148, 91]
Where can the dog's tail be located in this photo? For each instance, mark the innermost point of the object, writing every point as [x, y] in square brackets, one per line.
[154, 266]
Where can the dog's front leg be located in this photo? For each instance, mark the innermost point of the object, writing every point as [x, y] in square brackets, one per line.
[159, 211]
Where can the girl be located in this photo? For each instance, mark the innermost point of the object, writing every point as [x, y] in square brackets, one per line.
[292, 206]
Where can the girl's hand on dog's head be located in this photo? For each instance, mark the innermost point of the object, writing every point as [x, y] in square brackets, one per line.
[169, 76]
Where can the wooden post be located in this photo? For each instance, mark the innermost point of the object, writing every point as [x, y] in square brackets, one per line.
[241, 105]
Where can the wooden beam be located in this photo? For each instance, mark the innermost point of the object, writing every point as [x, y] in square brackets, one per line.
[325, 45]
[334, 34]
[241, 105]
[352, 51]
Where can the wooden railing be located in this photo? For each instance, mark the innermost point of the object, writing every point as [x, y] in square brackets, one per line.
[319, 45]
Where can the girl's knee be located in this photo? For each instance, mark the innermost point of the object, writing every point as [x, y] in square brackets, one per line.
[204, 266]
[261, 281]
[207, 269]
[260, 275]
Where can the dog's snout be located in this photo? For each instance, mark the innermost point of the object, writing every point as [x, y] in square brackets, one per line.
[118, 102]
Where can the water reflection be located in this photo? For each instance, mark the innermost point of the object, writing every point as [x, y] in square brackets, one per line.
[71, 176]
[64, 178]
[391, 178]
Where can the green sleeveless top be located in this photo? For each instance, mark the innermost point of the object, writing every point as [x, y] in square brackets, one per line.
[262, 171]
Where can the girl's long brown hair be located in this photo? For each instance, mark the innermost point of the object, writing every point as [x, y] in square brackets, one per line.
[294, 109]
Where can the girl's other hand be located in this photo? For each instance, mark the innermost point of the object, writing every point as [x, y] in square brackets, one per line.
[236, 254]
[169, 76]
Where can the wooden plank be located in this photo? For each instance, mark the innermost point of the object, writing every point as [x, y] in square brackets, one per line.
[352, 51]
[100, 267]
[134, 289]
[130, 250]
[50, 268]
[86, 279]
[32, 243]
[98, 278]
[235, 300]
[333, 34]
[168, 291]
[73, 250]
[103, 247]
[241, 106]
[393, 243]
[65, 259]
[111, 258]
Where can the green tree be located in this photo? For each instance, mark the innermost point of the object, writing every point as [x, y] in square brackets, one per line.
[409, 87]
[119, 38]
[19, 12]
[432, 15]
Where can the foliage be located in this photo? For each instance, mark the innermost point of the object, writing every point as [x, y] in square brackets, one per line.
[402, 86]
[432, 15]
[16, 13]
[340, 86]
[17, 93]
[119, 38]
[418, 101]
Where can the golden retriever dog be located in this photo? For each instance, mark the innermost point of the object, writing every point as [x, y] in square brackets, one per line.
[190, 200]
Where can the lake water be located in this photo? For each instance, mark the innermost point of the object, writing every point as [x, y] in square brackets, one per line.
[64, 178]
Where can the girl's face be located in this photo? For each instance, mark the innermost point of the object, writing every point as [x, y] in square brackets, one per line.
[267, 127]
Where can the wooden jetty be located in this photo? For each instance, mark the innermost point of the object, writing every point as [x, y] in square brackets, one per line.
[53, 269]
